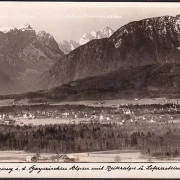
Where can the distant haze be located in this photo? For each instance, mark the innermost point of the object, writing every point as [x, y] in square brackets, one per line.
[70, 20]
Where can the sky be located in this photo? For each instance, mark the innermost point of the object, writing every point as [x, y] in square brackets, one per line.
[71, 20]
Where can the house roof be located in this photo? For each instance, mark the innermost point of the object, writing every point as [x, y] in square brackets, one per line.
[70, 156]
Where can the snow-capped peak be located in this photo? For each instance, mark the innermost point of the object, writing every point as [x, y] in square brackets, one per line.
[68, 45]
[104, 33]
[44, 34]
[107, 31]
[25, 27]
[11, 28]
[106, 28]
[6, 29]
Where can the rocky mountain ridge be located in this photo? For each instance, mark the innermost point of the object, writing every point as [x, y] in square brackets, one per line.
[139, 43]
[25, 55]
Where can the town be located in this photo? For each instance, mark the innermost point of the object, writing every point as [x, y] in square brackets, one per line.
[63, 131]
[42, 114]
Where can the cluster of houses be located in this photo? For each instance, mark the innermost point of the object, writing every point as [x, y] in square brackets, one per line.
[101, 116]
[7, 119]
[119, 115]
[53, 158]
[59, 114]
[147, 115]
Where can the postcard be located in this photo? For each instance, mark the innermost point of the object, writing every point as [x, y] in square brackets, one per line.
[89, 89]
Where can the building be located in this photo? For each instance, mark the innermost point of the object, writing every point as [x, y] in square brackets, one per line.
[31, 158]
[8, 122]
[67, 158]
[101, 117]
[35, 158]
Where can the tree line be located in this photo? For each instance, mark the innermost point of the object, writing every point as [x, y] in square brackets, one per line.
[87, 138]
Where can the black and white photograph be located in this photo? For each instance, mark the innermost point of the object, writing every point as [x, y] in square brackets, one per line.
[89, 82]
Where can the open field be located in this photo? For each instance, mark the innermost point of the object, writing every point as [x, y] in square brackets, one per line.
[124, 156]
[101, 156]
[6, 102]
[116, 102]
[121, 102]
[45, 121]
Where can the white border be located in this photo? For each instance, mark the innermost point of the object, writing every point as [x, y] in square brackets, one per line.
[19, 173]
[88, 173]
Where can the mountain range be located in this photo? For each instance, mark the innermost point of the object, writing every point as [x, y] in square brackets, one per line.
[139, 43]
[140, 59]
[68, 46]
[24, 56]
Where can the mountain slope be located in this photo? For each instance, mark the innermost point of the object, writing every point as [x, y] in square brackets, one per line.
[149, 41]
[25, 55]
[156, 80]
[7, 85]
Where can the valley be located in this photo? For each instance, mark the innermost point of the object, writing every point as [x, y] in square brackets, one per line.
[141, 132]
[112, 96]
